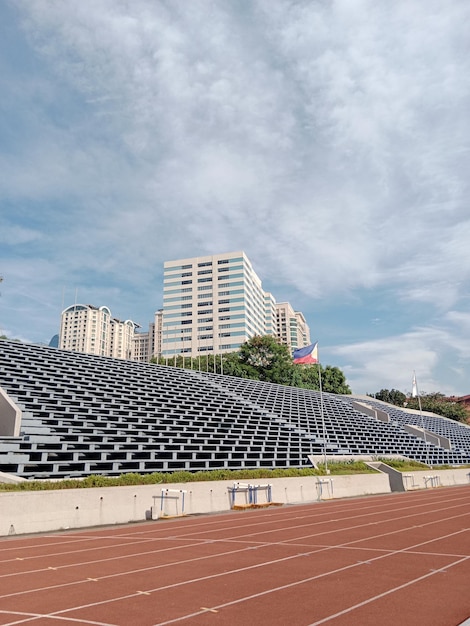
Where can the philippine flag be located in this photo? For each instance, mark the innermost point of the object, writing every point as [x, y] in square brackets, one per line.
[309, 354]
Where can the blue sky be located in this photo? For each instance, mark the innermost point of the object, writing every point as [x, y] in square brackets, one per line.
[328, 140]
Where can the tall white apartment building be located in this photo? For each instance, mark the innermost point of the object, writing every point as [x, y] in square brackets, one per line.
[93, 330]
[213, 304]
[291, 327]
[148, 344]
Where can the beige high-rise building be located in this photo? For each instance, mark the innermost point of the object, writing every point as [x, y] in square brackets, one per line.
[140, 350]
[93, 330]
[291, 327]
[211, 305]
[148, 344]
[214, 304]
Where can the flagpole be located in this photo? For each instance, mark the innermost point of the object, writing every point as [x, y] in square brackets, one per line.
[165, 336]
[183, 346]
[309, 354]
[415, 388]
[198, 351]
[221, 358]
[322, 419]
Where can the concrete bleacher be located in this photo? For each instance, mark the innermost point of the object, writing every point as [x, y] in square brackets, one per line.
[457, 434]
[82, 415]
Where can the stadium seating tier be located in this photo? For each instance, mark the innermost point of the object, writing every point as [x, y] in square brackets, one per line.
[83, 415]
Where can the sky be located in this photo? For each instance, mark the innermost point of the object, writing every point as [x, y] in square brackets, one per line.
[328, 140]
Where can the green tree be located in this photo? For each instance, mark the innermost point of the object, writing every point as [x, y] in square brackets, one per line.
[264, 358]
[270, 359]
[392, 396]
[333, 379]
[437, 403]
[233, 366]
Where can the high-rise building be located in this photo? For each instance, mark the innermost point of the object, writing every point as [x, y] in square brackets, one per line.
[92, 330]
[148, 344]
[291, 327]
[213, 304]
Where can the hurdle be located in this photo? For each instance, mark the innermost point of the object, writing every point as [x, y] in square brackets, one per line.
[323, 483]
[267, 490]
[409, 482]
[433, 481]
[166, 498]
[239, 488]
[250, 494]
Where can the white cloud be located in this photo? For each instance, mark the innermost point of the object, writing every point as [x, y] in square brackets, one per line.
[328, 140]
[431, 351]
[15, 235]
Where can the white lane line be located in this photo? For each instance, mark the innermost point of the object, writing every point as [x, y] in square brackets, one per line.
[229, 539]
[391, 513]
[307, 580]
[119, 557]
[226, 553]
[28, 617]
[236, 571]
[388, 592]
[347, 528]
[68, 552]
[264, 516]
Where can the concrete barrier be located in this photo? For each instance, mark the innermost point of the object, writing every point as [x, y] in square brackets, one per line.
[435, 478]
[44, 511]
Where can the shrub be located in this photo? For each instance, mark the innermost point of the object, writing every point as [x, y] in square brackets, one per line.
[334, 467]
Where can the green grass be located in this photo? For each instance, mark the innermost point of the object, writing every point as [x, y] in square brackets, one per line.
[415, 466]
[404, 465]
[335, 469]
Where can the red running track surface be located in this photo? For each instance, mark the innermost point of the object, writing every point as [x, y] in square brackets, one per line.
[399, 559]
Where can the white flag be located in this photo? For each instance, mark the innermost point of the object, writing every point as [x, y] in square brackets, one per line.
[414, 389]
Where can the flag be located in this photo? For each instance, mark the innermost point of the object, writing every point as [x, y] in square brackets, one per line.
[309, 354]
[414, 389]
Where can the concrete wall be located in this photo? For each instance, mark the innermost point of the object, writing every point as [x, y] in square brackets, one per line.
[42, 511]
[436, 478]
[10, 416]
[378, 414]
[394, 476]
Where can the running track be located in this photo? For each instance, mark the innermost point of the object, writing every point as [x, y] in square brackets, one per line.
[400, 559]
